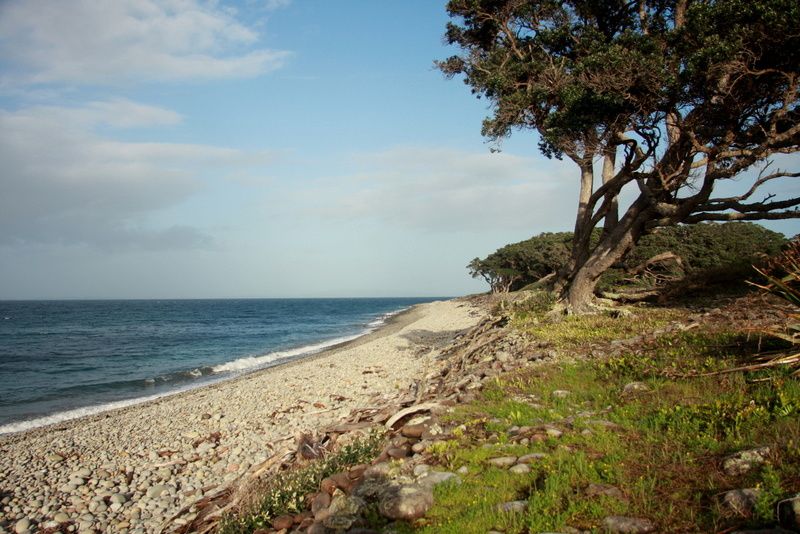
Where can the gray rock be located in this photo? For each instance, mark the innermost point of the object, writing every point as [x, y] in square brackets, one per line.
[513, 507]
[520, 469]
[463, 470]
[502, 461]
[634, 387]
[553, 432]
[789, 513]
[745, 461]
[434, 478]
[343, 512]
[61, 517]
[561, 394]
[421, 469]
[156, 491]
[628, 525]
[55, 458]
[405, 502]
[531, 458]
[741, 501]
[118, 498]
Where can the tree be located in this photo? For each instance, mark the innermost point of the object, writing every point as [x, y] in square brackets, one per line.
[673, 96]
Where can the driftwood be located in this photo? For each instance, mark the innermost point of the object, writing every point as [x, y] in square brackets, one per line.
[425, 407]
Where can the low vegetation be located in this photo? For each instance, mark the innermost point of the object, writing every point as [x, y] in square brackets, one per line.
[286, 493]
[655, 450]
[725, 251]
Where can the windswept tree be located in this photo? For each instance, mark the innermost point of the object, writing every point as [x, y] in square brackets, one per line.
[671, 97]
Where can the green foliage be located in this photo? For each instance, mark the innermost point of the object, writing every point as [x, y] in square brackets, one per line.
[518, 264]
[706, 246]
[702, 248]
[286, 492]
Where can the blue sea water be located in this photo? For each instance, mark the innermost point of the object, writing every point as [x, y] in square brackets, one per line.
[64, 359]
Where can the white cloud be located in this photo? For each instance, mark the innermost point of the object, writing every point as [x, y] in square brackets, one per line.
[109, 42]
[452, 190]
[62, 183]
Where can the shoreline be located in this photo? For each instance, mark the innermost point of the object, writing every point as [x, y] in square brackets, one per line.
[133, 402]
[126, 470]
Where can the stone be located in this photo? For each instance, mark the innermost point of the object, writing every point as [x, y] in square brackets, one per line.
[513, 507]
[343, 512]
[413, 431]
[405, 502]
[553, 432]
[23, 525]
[628, 525]
[55, 458]
[282, 521]
[502, 462]
[561, 394]
[320, 502]
[342, 481]
[789, 513]
[531, 458]
[357, 471]
[421, 469]
[745, 461]
[634, 387]
[118, 498]
[520, 469]
[156, 491]
[397, 452]
[463, 470]
[741, 501]
[327, 485]
[434, 478]
[61, 517]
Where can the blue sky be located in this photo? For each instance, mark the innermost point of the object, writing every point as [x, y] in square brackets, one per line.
[274, 148]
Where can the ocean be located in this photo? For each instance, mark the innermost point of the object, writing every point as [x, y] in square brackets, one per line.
[64, 359]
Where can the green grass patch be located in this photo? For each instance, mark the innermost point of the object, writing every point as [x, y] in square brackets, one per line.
[662, 449]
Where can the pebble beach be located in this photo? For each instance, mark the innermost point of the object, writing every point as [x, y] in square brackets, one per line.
[130, 470]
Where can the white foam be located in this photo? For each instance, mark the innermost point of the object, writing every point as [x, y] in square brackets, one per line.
[68, 415]
[254, 362]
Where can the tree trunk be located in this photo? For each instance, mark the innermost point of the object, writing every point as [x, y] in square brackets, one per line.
[578, 292]
[580, 242]
[612, 216]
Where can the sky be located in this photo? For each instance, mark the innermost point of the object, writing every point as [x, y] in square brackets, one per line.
[272, 148]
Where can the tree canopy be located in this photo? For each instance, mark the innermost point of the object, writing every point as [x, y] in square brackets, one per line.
[674, 97]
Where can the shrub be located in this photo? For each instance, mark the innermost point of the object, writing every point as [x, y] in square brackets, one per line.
[731, 247]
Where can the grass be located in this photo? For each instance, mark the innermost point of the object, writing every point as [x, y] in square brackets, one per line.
[662, 448]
